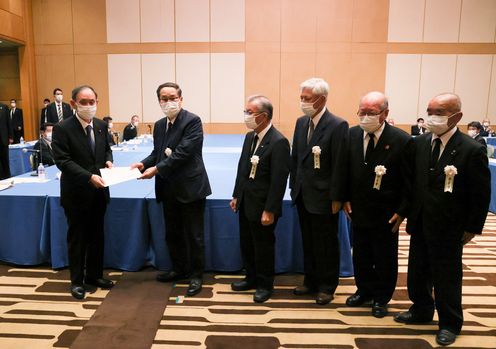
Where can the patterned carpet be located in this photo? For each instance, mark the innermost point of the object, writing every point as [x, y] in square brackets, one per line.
[36, 311]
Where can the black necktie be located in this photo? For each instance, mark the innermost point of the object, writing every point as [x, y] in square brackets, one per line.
[91, 141]
[370, 147]
[311, 128]
[435, 152]
[254, 145]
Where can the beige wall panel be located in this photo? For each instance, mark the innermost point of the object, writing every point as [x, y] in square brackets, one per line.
[52, 21]
[295, 68]
[437, 75]
[227, 84]
[491, 108]
[335, 68]
[192, 20]
[89, 21]
[193, 75]
[155, 69]
[478, 21]
[402, 87]
[157, 20]
[16, 7]
[93, 70]
[473, 77]
[58, 72]
[406, 20]
[262, 76]
[442, 20]
[225, 128]
[9, 88]
[334, 20]
[298, 23]
[9, 65]
[263, 20]
[124, 79]
[227, 20]
[370, 20]
[11, 26]
[123, 21]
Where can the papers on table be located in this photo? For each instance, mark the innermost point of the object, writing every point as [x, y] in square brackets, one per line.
[117, 175]
[7, 183]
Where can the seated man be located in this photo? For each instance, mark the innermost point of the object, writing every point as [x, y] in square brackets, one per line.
[474, 131]
[419, 128]
[487, 130]
[131, 129]
[110, 133]
[45, 146]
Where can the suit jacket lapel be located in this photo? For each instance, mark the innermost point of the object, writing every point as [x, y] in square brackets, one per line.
[449, 152]
[318, 133]
[265, 141]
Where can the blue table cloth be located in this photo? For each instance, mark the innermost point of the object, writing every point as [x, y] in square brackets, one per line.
[134, 224]
[18, 160]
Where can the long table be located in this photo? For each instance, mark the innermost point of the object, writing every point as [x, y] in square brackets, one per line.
[18, 160]
[34, 227]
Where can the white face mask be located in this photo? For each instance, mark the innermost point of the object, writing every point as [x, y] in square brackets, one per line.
[110, 125]
[307, 108]
[438, 124]
[370, 123]
[250, 121]
[86, 112]
[59, 98]
[48, 136]
[136, 124]
[472, 133]
[170, 109]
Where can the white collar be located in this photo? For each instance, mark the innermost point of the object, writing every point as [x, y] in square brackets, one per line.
[262, 133]
[317, 117]
[377, 133]
[83, 122]
[445, 137]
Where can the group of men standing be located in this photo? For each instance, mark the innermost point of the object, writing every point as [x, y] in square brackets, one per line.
[375, 172]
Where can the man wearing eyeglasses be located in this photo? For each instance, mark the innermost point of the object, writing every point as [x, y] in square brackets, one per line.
[181, 184]
[81, 149]
[318, 182]
[377, 201]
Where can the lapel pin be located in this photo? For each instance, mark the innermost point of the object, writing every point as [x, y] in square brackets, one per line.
[386, 146]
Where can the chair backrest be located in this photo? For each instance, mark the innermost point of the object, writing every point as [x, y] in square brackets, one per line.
[490, 151]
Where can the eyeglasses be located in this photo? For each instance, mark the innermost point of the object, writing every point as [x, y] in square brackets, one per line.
[368, 113]
[167, 99]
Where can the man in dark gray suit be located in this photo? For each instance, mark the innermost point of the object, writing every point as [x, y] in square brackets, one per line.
[451, 194]
[5, 140]
[181, 183]
[261, 179]
[81, 149]
[318, 184]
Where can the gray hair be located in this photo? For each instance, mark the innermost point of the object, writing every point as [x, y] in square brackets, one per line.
[319, 86]
[263, 103]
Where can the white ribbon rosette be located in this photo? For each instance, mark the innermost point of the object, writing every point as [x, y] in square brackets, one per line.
[450, 171]
[316, 156]
[379, 172]
[254, 162]
[168, 152]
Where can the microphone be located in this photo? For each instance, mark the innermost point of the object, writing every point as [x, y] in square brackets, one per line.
[25, 150]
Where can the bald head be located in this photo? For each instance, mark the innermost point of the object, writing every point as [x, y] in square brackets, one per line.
[375, 98]
[447, 101]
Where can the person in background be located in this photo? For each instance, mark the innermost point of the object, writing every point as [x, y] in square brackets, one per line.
[131, 129]
[58, 110]
[5, 140]
[110, 126]
[418, 129]
[44, 111]
[258, 195]
[487, 130]
[45, 145]
[16, 121]
[474, 131]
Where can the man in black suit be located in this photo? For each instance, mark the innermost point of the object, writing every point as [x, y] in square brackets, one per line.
[131, 129]
[474, 131]
[487, 130]
[418, 129]
[451, 194]
[5, 140]
[110, 133]
[181, 184]
[44, 112]
[45, 145]
[263, 170]
[318, 184]
[81, 149]
[16, 121]
[377, 202]
[58, 110]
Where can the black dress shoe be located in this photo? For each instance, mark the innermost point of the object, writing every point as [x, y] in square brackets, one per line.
[408, 317]
[243, 285]
[379, 310]
[170, 276]
[102, 283]
[303, 290]
[261, 295]
[195, 286]
[324, 298]
[78, 291]
[357, 300]
[445, 337]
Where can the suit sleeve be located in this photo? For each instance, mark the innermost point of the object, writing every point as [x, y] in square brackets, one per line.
[190, 144]
[479, 179]
[239, 174]
[407, 161]
[63, 159]
[339, 162]
[280, 165]
[294, 159]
